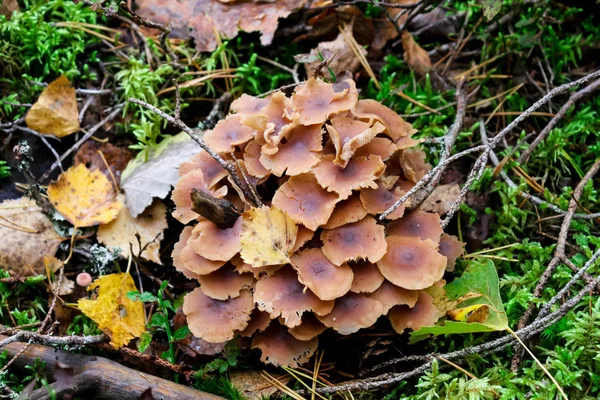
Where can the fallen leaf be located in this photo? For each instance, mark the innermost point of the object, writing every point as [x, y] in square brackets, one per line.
[474, 313]
[252, 384]
[149, 225]
[147, 178]
[55, 112]
[121, 318]
[198, 19]
[117, 158]
[384, 29]
[8, 7]
[491, 8]
[83, 197]
[67, 287]
[344, 59]
[442, 198]
[268, 236]
[415, 56]
[27, 237]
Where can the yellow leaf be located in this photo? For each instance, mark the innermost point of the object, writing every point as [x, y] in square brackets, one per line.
[55, 112]
[474, 313]
[268, 236]
[149, 225]
[121, 318]
[84, 197]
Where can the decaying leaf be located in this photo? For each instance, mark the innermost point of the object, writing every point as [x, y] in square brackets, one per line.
[268, 236]
[149, 225]
[199, 19]
[84, 197]
[117, 158]
[253, 385]
[344, 58]
[153, 175]
[441, 199]
[491, 8]
[27, 237]
[8, 7]
[121, 318]
[55, 112]
[415, 56]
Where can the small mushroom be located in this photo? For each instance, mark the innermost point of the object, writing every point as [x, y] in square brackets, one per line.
[280, 348]
[241, 267]
[379, 146]
[346, 212]
[217, 244]
[182, 195]
[412, 263]
[217, 320]
[348, 135]
[452, 248]
[396, 127]
[212, 171]
[391, 295]
[277, 114]
[225, 283]
[359, 173]
[424, 313]
[351, 313]
[252, 158]
[315, 100]
[176, 254]
[379, 199]
[367, 277]
[196, 264]
[246, 104]
[413, 164]
[227, 134]
[363, 240]
[323, 278]
[419, 224]
[310, 328]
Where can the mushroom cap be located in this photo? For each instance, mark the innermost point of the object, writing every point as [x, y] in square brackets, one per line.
[418, 224]
[277, 113]
[303, 237]
[217, 244]
[305, 201]
[379, 199]
[282, 295]
[182, 198]
[359, 173]
[452, 248]
[279, 347]
[323, 278]
[241, 267]
[212, 171]
[348, 135]
[299, 154]
[217, 320]
[310, 328]
[413, 164]
[396, 127]
[189, 262]
[246, 104]
[352, 312]
[228, 133]
[379, 146]
[422, 314]
[252, 159]
[346, 212]
[315, 100]
[224, 283]
[391, 295]
[367, 277]
[185, 234]
[259, 321]
[412, 263]
[358, 241]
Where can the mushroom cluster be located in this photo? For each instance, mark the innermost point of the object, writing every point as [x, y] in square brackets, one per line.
[330, 163]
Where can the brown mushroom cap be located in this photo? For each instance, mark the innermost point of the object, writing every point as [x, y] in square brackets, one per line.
[298, 155]
[211, 169]
[182, 198]
[367, 277]
[314, 101]
[379, 146]
[310, 328]
[348, 135]
[217, 244]
[413, 164]
[225, 283]
[346, 212]
[283, 295]
[259, 321]
[305, 201]
[246, 104]
[176, 254]
[358, 241]
[352, 312]
[195, 263]
[391, 295]
[359, 173]
[303, 237]
[412, 263]
[418, 224]
[241, 267]
[323, 278]
[277, 114]
[228, 133]
[397, 128]
[452, 248]
[379, 199]
[279, 347]
[422, 314]
[215, 320]
[252, 158]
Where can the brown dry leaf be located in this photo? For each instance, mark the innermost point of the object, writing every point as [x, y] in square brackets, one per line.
[117, 158]
[344, 60]
[441, 198]
[252, 384]
[268, 236]
[385, 30]
[149, 225]
[199, 18]
[121, 318]
[27, 237]
[83, 197]
[415, 56]
[8, 7]
[55, 112]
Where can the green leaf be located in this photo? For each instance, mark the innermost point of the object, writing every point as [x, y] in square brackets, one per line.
[181, 333]
[144, 341]
[158, 320]
[491, 8]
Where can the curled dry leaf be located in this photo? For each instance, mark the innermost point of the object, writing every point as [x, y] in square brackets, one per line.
[121, 318]
[123, 232]
[83, 197]
[344, 60]
[415, 56]
[27, 237]
[55, 112]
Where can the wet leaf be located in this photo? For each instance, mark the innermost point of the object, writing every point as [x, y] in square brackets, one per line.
[121, 318]
[55, 112]
[149, 225]
[415, 56]
[84, 197]
[268, 236]
[27, 237]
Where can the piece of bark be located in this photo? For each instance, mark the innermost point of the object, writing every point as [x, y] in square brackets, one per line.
[220, 212]
[97, 377]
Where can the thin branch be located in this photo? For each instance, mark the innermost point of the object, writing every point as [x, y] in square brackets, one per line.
[39, 338]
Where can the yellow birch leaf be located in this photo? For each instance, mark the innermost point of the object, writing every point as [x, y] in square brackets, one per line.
[84, 197]
[121, 318]
[149, 225]
[55, 112]
[474, 313]
[268, 236]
